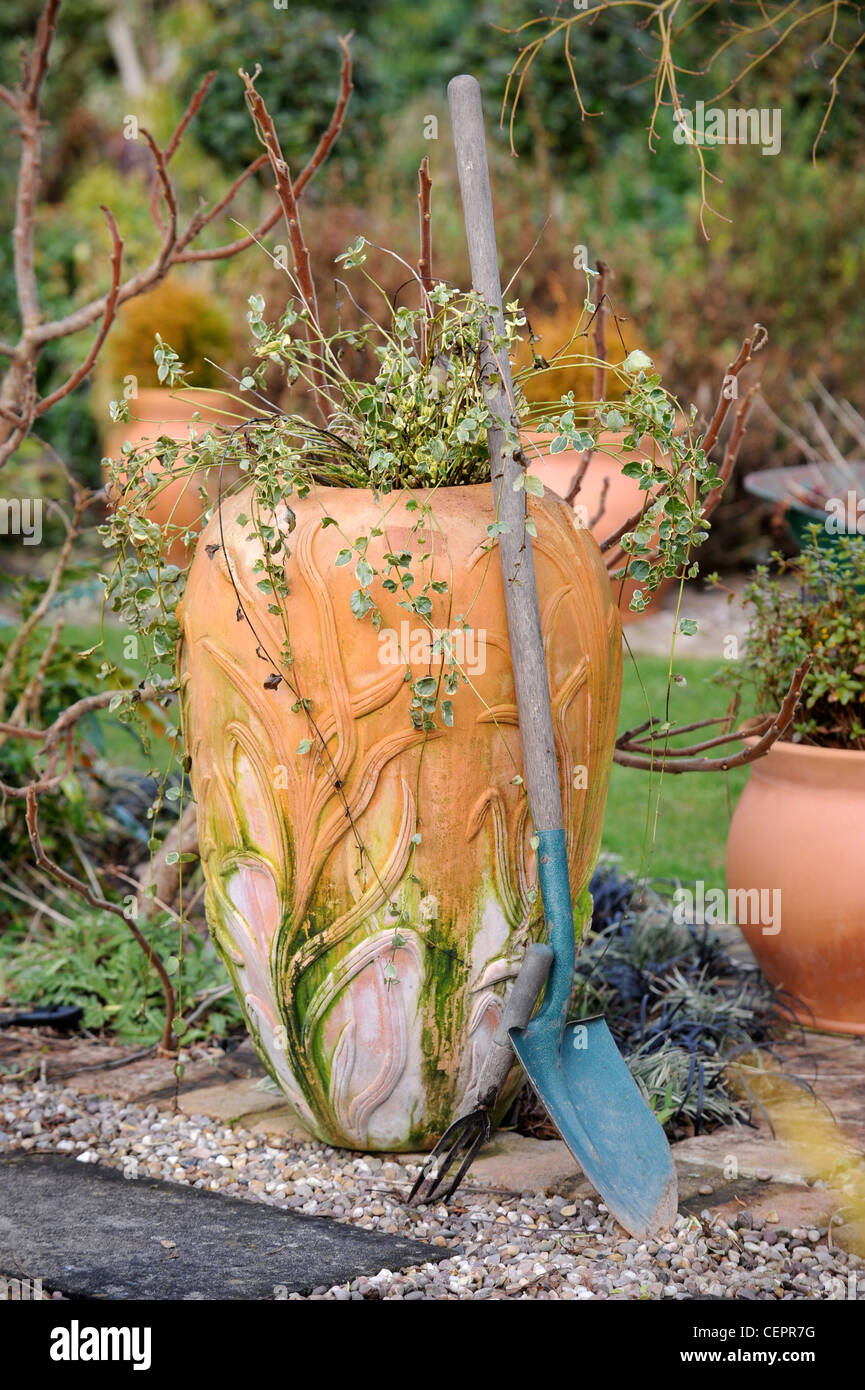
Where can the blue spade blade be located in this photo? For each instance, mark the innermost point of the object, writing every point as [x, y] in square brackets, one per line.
[583, 1081]
[592, 1099]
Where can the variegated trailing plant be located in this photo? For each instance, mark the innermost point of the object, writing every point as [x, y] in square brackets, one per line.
[419, 421]
[406, 423]
[408, 426]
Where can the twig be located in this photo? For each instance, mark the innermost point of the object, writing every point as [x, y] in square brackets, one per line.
[34, 618]
[320, 154]
[266, 132]
[63, 728]
[731, 453]
[424, 264]
[19, 402]
[107, 319]
[102, 904]
[602, 504]
[683, 762]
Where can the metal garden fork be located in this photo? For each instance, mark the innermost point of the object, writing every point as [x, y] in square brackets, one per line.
[471, 1130]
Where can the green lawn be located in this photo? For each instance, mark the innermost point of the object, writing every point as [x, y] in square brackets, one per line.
[675, 825]
[120, 742]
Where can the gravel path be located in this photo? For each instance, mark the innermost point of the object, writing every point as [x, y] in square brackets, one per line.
[533, 1246]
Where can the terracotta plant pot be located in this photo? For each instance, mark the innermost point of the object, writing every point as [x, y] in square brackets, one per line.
[158, 411]
[372, 983]
[800, 828]
[624, 496]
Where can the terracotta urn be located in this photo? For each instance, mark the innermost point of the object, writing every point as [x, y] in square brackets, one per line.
[373, 895]
[798, 832]
[623, 497]
[157, 411]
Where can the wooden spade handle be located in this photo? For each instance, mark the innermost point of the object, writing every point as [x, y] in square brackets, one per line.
[525, 992]
[515, 546]
[540, 765]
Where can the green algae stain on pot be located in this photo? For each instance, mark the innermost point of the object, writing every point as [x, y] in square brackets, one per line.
[445, 985]
[372, 930]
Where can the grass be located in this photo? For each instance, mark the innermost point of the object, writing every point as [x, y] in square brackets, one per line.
[675, 825]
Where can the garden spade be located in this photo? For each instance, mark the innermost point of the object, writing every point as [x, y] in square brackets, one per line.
[575, 1069]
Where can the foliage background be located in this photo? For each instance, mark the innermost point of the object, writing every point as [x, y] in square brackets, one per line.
[791, 254]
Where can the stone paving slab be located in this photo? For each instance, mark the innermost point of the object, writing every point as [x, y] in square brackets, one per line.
[92, 1233]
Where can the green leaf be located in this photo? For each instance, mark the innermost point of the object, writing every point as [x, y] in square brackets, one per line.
[304, 745]
[533, 485]
[344, 557]
[360, 603]
[688, 627]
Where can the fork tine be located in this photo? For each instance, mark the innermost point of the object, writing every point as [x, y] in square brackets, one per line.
[457, 1137]
[480, 1139]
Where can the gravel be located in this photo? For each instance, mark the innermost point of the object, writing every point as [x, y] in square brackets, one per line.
[503, 1247]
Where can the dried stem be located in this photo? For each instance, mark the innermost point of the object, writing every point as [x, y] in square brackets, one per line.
[63, 729]
[424, 264]
[20, 405]
[266, 132]
[102, 904]
[107, 319]
[322, 150]
[766, 732]
[82, 501]
[602, 504]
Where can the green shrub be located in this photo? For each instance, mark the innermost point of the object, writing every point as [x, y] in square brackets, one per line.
[92, 960]
[183, 315]
[821, 612]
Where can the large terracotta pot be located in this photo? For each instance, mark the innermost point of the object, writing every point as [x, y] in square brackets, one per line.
[624, 495]
[310, 928]
[158, 411]
[799, 827]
